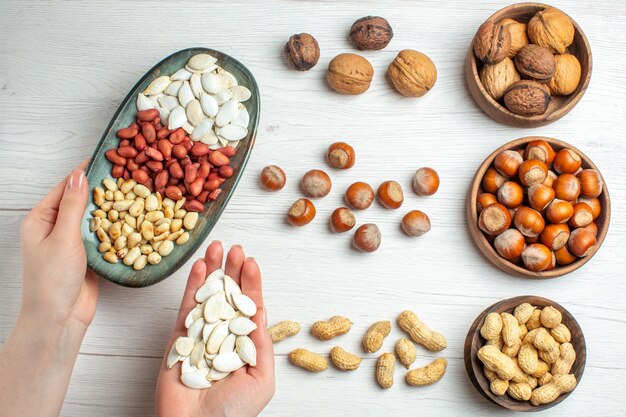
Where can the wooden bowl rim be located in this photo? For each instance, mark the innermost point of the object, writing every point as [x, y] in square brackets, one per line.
[517, 120]
[490, 252]
[474, 368]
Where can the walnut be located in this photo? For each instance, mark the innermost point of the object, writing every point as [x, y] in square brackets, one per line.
[527, 98]
[536, 62]
[302, 52]
[349, 74]
[492, 42]
[517, 30]
[566, 77]
[552, 29]
[498, 77]
[412, 73]
[371, 33]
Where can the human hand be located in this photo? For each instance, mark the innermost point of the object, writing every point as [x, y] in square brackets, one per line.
[244, 392]
[56, 283]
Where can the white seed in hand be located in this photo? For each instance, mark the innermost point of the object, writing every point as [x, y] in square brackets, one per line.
[229, 313]
[241, 326]
[228, 345]
[195, 330]
[215, 375]
[208, 329]
[230, 288]
[217, 337]
[197, 354]
[217, 274]
[246, 350]
[208, 289]
[184, 345]
[194, 315]
[186, 367]
[172, 357]
[214, 307]
[196, 380]
[244, 304]
[227, 362]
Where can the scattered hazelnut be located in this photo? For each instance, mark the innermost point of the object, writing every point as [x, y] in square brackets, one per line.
[567, 187]
[567, 161]
[315, 183]
[510, 244]
[527, 98]
[581, 242]
[555, 236]
[552, 29]
[497, 78]
[426, 182]
[301, 212]
[272, 178]
[341, 155]
[412, 73]
[566, 76]
[342, 220]
[415, 223]
[371, 33]
[390, 194]
[349, 74]
[536, 62]
[359, 195]
[519, 38]
[591, 183]
[494, 219]
[492, 42]
[537, 257]
[302, 52]
[367, 238]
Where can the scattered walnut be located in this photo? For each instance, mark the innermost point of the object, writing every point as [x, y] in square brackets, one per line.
[492, 42]
[302, 52]
[371, 33]
[527, 98]
[566, 77]
[552, 29]
[349, 74]
[412, 73]
[536, 62]
[497, 78]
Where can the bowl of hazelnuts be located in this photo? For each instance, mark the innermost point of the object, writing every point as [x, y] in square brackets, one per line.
[538, 208]
[528, 65]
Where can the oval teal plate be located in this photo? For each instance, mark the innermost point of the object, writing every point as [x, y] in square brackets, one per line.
[99, 168]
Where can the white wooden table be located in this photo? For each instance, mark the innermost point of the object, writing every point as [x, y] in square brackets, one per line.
[65, 67]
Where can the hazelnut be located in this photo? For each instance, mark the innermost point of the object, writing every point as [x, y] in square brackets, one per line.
[532, 172]
[529, 222]
[559, 211]
[485, 200]
[349, 74]
[564, 257]
[594, 203]
[510, 194]
[591, 183]
[359, 195]
[492, 42]
[567, 161]
[552, 29]
[302, 52]
[583, 215]
[341, 155]
[507, 163]
[426, 181]
[412, 73]
[537, 257]
[315, 183]
[301, 212]
[272, 178]
[415, 223]
[492, 180]
[371, 33]
[390, 194]
[527, 98]
[510, 244]
[581, 242]
[536, 62]
[539, 196]
[541, 150]
[519, 38]
[497, 78]
[367, 238]
[567, 75]
[342, 220]
[567, 187]
[494, 219]
[555, 236]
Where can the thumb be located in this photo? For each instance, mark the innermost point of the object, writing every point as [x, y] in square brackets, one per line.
[72, 206]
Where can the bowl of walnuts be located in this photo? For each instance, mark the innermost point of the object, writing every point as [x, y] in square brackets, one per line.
[528, 65]
[538, 208]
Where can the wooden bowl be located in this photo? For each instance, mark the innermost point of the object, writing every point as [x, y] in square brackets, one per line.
[489, 251]
[100, 168]
[559, 106]
[474, 341]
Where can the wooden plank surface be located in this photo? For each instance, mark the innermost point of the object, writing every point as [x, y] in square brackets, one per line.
[66, 66]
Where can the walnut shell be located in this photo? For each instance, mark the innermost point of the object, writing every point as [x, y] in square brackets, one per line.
[492, 42]
[566, 77]
[302, 52]
[497, 78]
[552, 29]
[527, 98]
[371, 33]
[412, 73]
[519, 38]
[349, 74]
[536, 62]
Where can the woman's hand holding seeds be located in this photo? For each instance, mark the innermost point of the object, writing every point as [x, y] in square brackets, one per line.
[246, 391]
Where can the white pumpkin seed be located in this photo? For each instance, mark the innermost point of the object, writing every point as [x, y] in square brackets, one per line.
[168, 102]
[230, 288]
[227, 362]
[202, 129]
[195, 330]
[187, 127]
[208, 329]
[228, 345]
[144, 103]
[227, 113]
[240, 93]
[208, 289]
[173, 88]
[234, 143]
[155, 98]
[215, 375]
[194, 314]
[184, 345]
[186, 367]
[158, 85]
[203, 364]
[164, 114]
[241, 326]
[177, 119]
[194, 112]
[229, 313]
[181, 75]
[214, 307]
[185, 95]
[200, 62]
[217, 337]
[217, 274]
[197, 354]
[222, 97]
[196, 380]
[231, 132]
[210, 138]
[244, 304]
[209, 104]
[243, 118]
[210, 82]
[172, 357]
[226, 79]
[246, 349]
[196, 85]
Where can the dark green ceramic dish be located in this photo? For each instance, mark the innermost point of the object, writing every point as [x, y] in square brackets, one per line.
[100, 168]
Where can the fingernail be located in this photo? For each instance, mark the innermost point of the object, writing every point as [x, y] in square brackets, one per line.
[76, 180]
[264, 314]
[250, 258]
